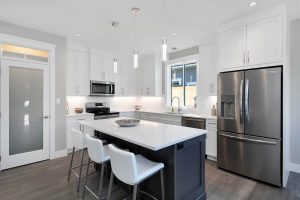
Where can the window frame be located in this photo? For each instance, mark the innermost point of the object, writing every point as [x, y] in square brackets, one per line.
[183, 65]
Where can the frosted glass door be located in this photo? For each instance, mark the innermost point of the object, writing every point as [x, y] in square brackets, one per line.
[25, 108]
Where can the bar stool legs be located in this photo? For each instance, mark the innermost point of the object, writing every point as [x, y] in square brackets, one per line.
[80, 169]
[111, 180]
[70, 169]
[86, 175]
[101, 179]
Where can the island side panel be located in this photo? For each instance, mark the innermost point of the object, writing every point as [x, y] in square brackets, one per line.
[183, 172]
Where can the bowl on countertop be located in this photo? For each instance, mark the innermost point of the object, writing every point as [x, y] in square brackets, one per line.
[78, 110]
[127, 122]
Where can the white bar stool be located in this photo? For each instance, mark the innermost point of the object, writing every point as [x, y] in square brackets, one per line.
[79, 144]
[132, 169]
[98, 153]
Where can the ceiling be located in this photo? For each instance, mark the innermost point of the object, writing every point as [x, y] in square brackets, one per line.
[191, 20]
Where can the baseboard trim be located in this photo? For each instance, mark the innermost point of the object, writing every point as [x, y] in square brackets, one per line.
[294, 167]
[59, 154]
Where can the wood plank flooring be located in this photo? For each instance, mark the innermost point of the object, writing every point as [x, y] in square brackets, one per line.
[47, 180]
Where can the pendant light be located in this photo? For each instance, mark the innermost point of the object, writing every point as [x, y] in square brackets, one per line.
[164, 43]
[115, 61]
[135, 12]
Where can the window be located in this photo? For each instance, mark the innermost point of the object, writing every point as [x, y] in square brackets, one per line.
[184, 83]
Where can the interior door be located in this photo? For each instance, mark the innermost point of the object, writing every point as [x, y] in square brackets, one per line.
[263, 102]
[230, 102]
[25, 113]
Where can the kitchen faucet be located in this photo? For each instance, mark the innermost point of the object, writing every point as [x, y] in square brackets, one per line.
[178, 108]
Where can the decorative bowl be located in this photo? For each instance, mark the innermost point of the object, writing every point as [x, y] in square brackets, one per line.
[127, 122]
[78, 110]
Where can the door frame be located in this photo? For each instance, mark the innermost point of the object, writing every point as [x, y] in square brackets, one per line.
[4, 38]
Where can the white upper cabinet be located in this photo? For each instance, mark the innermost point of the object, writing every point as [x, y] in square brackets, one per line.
[264, 41]
[254, 44]
[126, 80]
[77, 73]
[101, 67]
[150, 76]
[207, 78]
[232, 46]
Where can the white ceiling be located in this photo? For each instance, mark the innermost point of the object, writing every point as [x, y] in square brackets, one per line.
[190, 19]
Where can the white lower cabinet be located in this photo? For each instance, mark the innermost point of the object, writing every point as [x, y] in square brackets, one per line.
[73, 122]
[211, 139]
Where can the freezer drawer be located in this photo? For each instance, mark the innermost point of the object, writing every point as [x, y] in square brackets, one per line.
[254, 157]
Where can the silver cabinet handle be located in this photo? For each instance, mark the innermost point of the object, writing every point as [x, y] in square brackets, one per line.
[148, 91]
[247, 101]
[247, 139]
[244, 57]
[46, 117]
[241, 101]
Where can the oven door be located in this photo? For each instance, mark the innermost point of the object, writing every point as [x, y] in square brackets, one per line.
[102, 88]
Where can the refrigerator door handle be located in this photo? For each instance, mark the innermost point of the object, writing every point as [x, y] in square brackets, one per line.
[247, 101]
[248, 139]
[241, 101]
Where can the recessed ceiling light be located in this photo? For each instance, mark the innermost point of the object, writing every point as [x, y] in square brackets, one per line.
[77, 34]
[173, 34]
[252, 4]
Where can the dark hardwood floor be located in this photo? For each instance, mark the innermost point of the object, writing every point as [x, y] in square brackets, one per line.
[48, 180]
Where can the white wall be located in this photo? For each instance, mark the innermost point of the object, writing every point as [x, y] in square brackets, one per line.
[60, 91]
[295, 92]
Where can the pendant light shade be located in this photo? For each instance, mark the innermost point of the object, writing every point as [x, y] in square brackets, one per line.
[164, 49]
[135, 12]
[115, 61]
[115, 65]
[135, 59]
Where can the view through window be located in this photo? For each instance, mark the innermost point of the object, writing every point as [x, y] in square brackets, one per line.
[184, 84]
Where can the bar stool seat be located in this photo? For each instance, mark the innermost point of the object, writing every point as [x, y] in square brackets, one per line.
[132, 170]
[146, 168]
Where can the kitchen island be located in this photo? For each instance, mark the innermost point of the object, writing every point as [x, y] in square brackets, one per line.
[181, 149]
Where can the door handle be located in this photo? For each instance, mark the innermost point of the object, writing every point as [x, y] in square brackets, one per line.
[247, 101]
[247, 139]
[46, 117]
[241, 101]
[248, 57]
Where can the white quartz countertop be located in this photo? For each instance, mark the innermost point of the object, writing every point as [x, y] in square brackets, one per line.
[151, 135]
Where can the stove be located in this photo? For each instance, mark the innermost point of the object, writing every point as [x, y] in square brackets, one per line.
[100, 110]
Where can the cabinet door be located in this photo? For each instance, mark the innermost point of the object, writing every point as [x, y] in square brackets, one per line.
[232, 47]
[123, 78]
[211, 143]
[96, 63]
[264, 41]
[83, 74]
[204, 78]
[148, 77]
[108, 69]
[72, 73]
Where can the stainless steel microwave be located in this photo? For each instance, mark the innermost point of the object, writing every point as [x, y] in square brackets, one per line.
[102, 88]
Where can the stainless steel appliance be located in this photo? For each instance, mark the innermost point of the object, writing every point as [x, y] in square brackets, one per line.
[250, 123]
[100, 111]
[193, 122]
[102, 88]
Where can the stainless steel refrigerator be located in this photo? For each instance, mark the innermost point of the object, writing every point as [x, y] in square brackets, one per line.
[250, 123]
